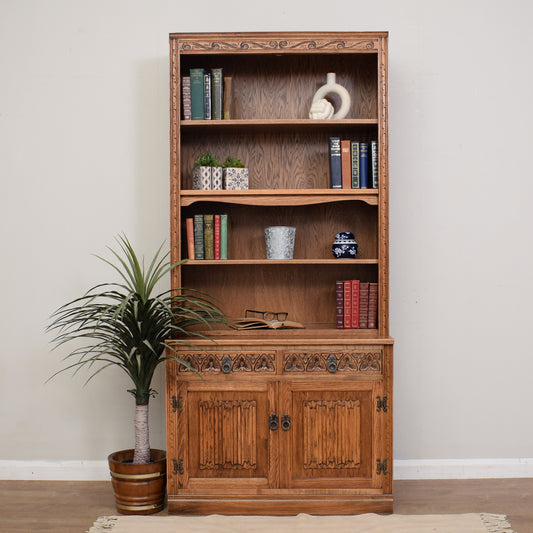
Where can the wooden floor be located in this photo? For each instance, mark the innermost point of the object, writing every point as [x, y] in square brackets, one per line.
[72, 506]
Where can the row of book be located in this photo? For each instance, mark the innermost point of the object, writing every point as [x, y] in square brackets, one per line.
[207, 236]
[353, 164]
[206, 95]
[357, 304]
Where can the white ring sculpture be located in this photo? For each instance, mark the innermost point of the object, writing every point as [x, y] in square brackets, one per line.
[321, 108]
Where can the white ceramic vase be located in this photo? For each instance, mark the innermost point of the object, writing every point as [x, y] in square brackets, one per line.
[321, 111]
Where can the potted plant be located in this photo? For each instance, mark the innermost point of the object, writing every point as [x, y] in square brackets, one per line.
[125, 324]
[207, 173]
[235, 174]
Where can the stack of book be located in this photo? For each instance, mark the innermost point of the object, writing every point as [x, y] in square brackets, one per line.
[206, 95]
[357, 304]
[207, 236]
[353, 164]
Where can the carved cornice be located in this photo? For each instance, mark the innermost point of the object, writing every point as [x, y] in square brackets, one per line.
[273, 44]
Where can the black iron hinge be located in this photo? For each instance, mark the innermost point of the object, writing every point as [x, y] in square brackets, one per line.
[381, 467]
[178, 466]
[177, 404]
[381, 404]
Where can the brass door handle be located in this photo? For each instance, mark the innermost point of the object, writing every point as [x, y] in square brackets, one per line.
[273, 422]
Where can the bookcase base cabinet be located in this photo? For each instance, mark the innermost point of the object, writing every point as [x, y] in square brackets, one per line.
[280, 430]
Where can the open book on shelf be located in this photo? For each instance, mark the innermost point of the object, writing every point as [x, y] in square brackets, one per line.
[261, 323]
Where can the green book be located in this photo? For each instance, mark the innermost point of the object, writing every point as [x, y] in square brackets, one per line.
[355, 165]
[198, 236]
[209, 236]
[223, 236]
[197, 93]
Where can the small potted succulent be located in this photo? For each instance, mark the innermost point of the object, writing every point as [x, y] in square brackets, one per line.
[235, 174]
[207, 173]
[126, 324]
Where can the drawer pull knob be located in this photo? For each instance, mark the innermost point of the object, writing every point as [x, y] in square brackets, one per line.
[332, 363]
[226, 364]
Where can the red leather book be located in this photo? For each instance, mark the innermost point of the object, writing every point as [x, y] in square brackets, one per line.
[355, 303]
[339, 302]
[346, 164]
[347, 304]
[363, 305]
[373, 306]
[217, 236]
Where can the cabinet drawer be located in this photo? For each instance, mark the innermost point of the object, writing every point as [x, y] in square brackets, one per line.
[365, 360]
[228, 362]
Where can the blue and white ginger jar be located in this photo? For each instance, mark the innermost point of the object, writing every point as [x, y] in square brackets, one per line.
[344, 246]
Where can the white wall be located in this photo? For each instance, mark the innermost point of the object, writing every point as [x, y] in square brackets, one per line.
[84, 156]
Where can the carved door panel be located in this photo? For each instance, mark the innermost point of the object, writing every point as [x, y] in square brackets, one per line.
[335, 434]
[225, 441]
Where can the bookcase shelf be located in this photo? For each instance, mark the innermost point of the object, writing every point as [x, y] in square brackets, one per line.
[273, 262]
[279, 197]
[225, 451]
[281, 123]
[312, 334]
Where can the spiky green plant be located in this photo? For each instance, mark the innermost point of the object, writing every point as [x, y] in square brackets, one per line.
[126, 324]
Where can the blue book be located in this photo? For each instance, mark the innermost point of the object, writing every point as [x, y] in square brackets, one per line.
[363, 165]
[335, 170]
[197, 93]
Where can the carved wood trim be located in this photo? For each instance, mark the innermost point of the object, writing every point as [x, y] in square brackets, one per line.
[228, 434]
[241, 362]
[368, 361]
[332, 434]
[236, 45]
[383, 319]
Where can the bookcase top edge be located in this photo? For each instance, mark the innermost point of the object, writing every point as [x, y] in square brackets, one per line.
[273, 34]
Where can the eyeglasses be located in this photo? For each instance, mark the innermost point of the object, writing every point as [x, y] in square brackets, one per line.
[267, 315]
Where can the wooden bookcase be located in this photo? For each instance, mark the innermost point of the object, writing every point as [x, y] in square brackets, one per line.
[293, 420]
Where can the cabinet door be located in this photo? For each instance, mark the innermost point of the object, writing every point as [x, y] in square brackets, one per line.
[224, 441]
[335, 434]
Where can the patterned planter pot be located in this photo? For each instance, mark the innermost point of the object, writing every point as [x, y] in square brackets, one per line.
[216, 178]
[201, 178]
[235, 179]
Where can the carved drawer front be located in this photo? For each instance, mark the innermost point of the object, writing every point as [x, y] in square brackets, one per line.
[363, 360]
[229, 362]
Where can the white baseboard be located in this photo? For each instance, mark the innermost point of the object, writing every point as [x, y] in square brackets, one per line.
[403, 469]
[462, 468]
[55, 470]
